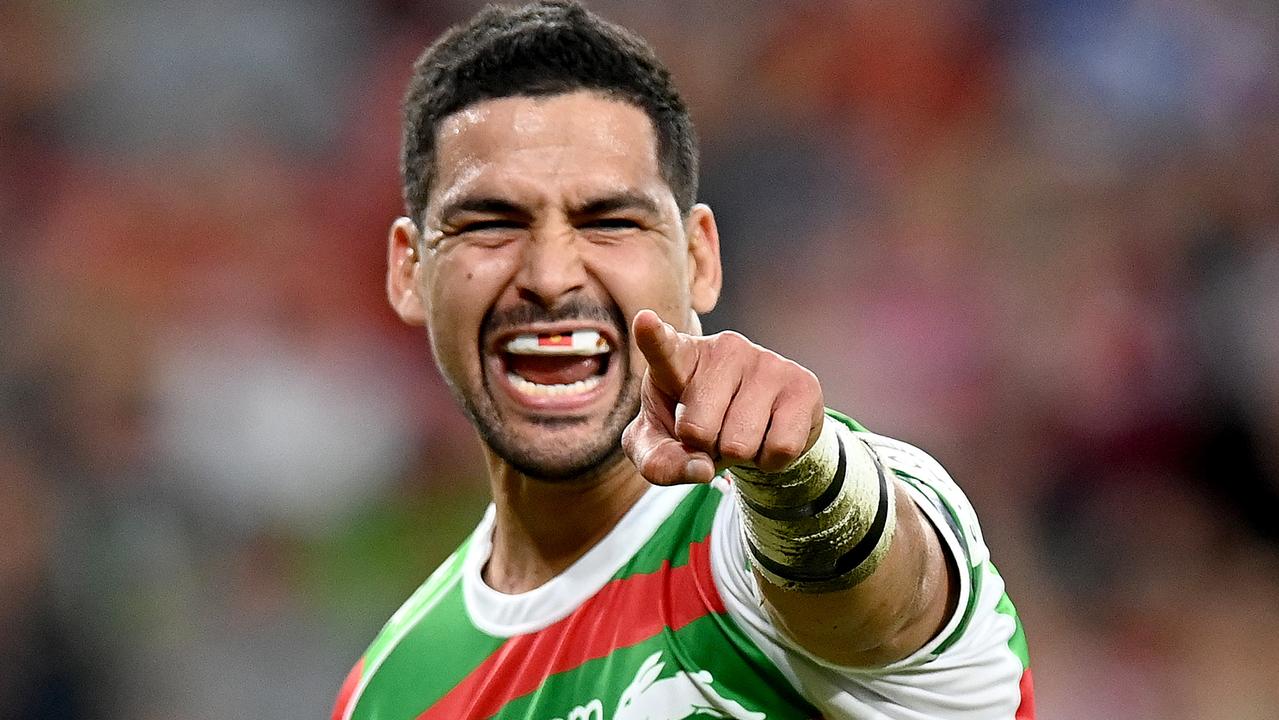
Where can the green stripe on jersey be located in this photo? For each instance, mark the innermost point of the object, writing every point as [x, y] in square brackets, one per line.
[851, 423]
[418, 604]
[436, 653]
[734, 672]
[1016, 643]
[434, 617]
[690, 521]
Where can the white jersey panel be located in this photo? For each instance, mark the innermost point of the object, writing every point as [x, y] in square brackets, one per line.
[967, 672]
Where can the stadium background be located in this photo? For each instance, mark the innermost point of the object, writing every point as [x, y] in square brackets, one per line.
[1040, 239]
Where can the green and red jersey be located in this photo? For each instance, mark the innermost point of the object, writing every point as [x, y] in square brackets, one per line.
[663, 620]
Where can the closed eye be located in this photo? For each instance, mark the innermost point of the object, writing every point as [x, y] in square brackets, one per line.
[496, 224]
[611, 224]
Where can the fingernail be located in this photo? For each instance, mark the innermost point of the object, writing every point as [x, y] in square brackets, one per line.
[699, 470]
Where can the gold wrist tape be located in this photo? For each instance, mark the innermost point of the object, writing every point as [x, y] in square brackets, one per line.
[825, 522]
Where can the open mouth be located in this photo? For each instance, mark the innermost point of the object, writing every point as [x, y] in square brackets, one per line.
[554, 367]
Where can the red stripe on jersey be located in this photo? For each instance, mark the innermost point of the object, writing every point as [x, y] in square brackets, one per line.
[347, 690]
[1026, 711]
[623, 613]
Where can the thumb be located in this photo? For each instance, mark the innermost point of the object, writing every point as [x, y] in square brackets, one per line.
[671, 355]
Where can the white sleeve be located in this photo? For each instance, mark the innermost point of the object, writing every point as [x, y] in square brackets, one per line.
[967, 672]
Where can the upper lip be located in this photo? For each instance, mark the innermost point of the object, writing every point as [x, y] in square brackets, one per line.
[498, 342]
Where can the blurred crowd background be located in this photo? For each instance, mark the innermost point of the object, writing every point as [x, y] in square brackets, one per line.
[1038, 238]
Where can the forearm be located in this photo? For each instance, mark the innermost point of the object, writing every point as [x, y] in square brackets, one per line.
[858, 576]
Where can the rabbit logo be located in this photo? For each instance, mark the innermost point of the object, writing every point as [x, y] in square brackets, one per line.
[676, 697]
[682, 695]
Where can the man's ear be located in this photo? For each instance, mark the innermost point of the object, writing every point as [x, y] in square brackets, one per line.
[706, 276]
[403, 269]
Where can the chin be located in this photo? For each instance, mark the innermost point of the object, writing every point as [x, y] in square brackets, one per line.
[560, 448]
[555, 459]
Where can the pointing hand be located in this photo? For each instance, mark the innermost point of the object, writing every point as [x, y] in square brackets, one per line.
[714, 402]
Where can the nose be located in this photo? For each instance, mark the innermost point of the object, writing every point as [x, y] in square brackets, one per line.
[551, 267]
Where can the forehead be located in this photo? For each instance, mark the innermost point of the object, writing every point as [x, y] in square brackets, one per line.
[560, 145]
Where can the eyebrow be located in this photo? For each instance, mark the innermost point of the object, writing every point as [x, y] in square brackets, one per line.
[483, 206]
[612, 203]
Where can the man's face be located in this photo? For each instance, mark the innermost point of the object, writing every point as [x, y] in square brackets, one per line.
[547, 228]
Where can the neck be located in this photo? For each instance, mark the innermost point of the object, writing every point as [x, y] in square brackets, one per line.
[542, 527]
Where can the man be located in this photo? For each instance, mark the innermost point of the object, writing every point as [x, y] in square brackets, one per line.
[678, 529]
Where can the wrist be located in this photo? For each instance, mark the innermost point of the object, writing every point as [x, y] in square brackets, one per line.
[802, 487]
[823, 523]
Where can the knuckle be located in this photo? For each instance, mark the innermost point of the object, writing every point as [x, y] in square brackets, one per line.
[736, 450]
[809, 379]
[731, 341]
[802, 379]
[695, 432]
[786, 449]
[780, 368]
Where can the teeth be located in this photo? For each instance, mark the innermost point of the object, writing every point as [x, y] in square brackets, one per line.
[529, 387]
[578, 342]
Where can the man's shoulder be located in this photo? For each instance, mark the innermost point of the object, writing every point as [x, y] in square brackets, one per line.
[434, 605]
[427, 598]
[388, 677]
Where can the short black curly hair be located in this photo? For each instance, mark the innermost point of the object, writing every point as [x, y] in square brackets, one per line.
[543, 48]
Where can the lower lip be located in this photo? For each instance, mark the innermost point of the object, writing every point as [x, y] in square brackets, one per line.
[556, 403]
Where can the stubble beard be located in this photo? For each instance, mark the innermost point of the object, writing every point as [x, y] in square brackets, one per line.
[551, 460]
[548, 458]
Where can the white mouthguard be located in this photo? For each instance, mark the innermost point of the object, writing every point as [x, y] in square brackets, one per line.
[579, 342]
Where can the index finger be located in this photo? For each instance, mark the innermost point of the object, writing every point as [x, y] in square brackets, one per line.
[671, 355]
